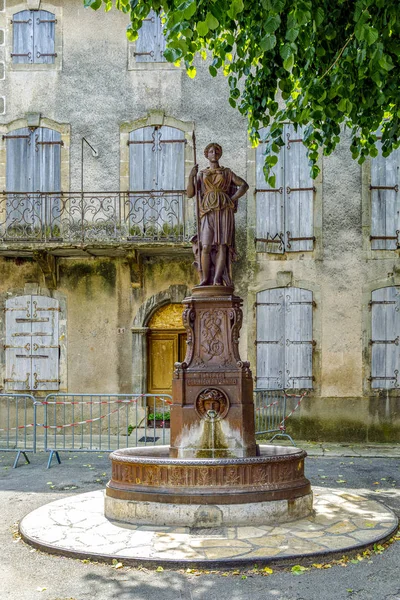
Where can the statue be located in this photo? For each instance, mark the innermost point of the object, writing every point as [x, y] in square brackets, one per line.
[217, 190]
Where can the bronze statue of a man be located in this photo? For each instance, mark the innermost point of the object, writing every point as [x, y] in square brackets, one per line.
[219, 190]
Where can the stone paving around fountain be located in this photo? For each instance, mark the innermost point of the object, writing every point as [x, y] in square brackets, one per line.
[76, 526]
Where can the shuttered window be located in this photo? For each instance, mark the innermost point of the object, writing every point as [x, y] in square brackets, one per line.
[31, 348]
[33, 164]
[33, 37]
[385, 341]
[157, 177]
[385, 201]
[284, 339]
[285, 213]
[150, 44]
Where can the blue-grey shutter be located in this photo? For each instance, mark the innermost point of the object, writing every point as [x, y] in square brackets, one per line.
[269, 203]
[270, 339]
[143, 156]
[298, 338]
[161, 42]
[385, 200]
[147, 45]
[298, 192]
[45, 346]
[284, 338]
[32, 352]
[43, 36]
[385, 342]
[18, 344]
[170, 176]
[23, 31]
[19, 178]
[47, 175]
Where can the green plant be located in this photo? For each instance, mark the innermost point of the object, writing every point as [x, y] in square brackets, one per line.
[159, 416]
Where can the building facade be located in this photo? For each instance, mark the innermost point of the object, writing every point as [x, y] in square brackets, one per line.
[97, 138]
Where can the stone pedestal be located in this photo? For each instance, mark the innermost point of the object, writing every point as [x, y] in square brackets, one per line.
[212, 415]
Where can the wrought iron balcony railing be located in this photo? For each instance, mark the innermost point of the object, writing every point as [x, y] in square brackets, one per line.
[90, 217]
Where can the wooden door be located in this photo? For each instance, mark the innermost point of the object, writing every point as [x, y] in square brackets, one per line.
[165, 348]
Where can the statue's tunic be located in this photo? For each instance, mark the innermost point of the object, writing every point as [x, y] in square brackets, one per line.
[216, 207]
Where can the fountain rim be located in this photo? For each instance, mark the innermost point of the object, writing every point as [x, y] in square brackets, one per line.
[143, 455]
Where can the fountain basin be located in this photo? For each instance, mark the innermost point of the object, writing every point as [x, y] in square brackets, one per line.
[148, 487]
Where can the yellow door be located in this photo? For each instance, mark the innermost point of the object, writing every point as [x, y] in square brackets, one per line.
[166, 346]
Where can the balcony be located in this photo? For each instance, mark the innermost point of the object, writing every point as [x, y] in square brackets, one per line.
[95, 223]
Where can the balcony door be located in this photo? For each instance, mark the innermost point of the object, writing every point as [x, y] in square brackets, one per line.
[33, 182]
[156, 182]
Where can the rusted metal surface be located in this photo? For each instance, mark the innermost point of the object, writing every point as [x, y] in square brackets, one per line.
[77, 217]
[148, 474]
[213, 376]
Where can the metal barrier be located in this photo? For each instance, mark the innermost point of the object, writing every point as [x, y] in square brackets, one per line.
[270, 412]
[103, 422]
[18, 423]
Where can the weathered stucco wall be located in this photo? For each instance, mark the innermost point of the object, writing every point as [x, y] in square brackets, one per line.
[94, 92]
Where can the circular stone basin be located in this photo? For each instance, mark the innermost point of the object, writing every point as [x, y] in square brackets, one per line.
[149, 488]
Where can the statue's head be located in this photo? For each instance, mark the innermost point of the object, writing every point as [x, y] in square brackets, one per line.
[217, 149]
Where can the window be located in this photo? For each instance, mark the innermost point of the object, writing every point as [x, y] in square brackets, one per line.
[285, 213]
[284, 338]
[150, 44]
[32, 350]
[157, 181]
[33, 37]
[385, 341]
[2, 105]
[385, 201]
[2, 37]
[33, 167]
[2, 70]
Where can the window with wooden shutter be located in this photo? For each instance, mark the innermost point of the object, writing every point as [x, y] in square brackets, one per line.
[31, 348]
[33, 37]
[385, 341]
[33, 164]
[385, 200]
[285, 213]
[284, 339]
[157, 178]
[150, 44]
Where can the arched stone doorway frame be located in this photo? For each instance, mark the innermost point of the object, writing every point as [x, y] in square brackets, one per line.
[173, 295]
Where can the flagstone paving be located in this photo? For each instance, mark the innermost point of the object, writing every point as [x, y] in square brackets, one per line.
[76, 526]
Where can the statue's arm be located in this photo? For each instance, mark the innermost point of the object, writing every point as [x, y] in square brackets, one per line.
[191, 189]
[242, 187]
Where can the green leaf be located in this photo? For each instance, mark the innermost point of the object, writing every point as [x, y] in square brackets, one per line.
[268, 42]
[211, 22]
[286, 51]
[237, 7]
[213, 71]
[342, 105]
[172, 54]
[188, 8]
[292, 34]
[386, 62]
[202, 28]
[95, 4]
[288, 63]
[371, 36]
[232, 102]
[272, 24]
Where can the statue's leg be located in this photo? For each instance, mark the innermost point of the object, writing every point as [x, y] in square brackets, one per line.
[206, 264]
[220, 264]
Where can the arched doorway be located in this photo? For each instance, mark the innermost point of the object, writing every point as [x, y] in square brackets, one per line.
[166, 345]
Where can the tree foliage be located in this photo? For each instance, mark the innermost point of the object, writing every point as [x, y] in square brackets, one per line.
[331, 62]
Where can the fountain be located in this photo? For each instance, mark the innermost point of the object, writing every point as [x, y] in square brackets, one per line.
[213, 497]
[213, 472]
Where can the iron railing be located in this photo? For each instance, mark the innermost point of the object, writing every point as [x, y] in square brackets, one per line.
[81, 422]
[18, 422]
[76, 217]
[270, 413]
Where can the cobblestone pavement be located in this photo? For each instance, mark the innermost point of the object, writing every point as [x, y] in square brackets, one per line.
[28, 574]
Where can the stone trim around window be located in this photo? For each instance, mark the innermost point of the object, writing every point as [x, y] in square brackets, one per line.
[5, 22]
[63, 128]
